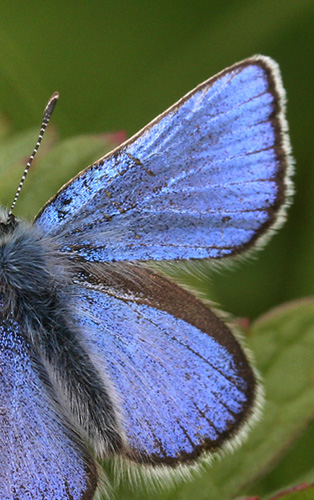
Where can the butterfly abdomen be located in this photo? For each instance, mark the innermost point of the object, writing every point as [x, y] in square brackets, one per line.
[36, 292]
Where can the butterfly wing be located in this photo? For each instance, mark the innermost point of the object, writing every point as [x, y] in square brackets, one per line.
[207, 178]
[183, 380]
[204, 179]
[40, 456]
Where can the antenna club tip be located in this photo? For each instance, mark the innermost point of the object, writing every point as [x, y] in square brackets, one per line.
[54, 96]
[53, 99]
[51, 104]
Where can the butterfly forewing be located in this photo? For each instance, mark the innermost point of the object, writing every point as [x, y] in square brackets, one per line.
[40, 457]
[205, 179]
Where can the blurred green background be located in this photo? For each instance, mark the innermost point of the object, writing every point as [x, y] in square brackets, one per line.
[118, 64]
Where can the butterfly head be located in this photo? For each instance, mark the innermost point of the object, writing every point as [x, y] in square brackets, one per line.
[8, 222]
[31, 269]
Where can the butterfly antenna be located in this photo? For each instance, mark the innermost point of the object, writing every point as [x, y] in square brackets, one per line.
[46, 117]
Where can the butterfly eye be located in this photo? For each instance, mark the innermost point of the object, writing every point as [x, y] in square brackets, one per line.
[8, 223]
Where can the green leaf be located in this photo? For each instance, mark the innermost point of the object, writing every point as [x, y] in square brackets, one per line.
[294, 466]
[300, 495]
[301, 492]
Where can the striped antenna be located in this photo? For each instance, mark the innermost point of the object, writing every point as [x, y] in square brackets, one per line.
[46, 117]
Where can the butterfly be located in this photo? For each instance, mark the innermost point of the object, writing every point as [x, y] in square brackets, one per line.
[99, 351]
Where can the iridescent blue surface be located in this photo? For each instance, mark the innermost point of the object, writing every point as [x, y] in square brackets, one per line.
[178, 386]
[38, 458]
[206, 179]
[200, 181]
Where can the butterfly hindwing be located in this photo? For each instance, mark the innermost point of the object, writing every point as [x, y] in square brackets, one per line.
[204, 179]
[40, 456]
[181, 376]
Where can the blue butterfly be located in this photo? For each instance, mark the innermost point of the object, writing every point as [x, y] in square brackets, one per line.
[98, 350]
